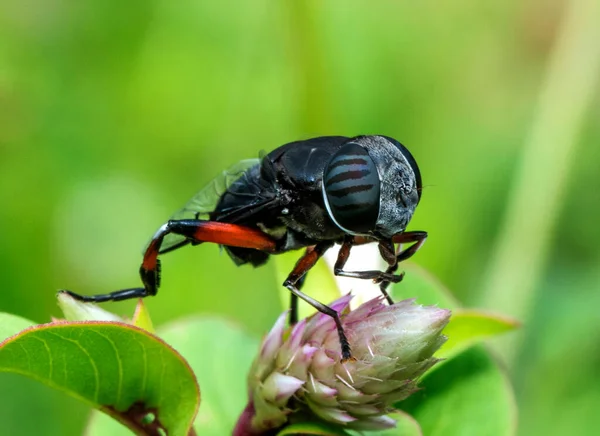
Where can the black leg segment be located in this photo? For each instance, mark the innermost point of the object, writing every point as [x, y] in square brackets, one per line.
[386, 248]
[294, 301]
[305, 263]
[124, 294]
[195, 231]
[419, 237]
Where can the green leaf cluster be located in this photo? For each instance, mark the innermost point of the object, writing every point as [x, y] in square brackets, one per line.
[151, 385]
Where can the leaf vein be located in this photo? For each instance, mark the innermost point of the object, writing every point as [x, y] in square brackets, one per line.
[119, 366]
[92, 363]
[50, 360]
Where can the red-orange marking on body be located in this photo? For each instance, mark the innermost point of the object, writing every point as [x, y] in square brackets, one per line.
[305, 263]
[405, 237]
[360, 240]
[234, 235]
[150, 258]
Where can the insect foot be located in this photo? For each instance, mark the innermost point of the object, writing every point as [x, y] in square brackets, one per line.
[299, 370]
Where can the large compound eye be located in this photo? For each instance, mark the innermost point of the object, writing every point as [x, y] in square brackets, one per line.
[411, 161]
[351, 189]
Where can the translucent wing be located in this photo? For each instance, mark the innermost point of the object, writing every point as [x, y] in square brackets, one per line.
[205, 201]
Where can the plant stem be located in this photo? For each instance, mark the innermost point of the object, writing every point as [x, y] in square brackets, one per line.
[534, 204]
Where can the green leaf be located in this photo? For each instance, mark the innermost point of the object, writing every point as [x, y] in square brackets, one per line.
[468, 396]
[320, 283]
[12, 324]
[220, 353]
[468, 327]
[114, 366]
[55, 413]
[406, 425]
[141, 317]
[422, 285]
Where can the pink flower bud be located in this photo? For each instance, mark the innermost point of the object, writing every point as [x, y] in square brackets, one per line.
[299, 370]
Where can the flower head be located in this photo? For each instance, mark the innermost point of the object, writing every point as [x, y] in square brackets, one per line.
[300, 369]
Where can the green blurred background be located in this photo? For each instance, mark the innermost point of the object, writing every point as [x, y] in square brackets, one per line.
[113, 113]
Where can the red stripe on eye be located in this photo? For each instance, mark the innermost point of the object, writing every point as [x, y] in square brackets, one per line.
[347, 175]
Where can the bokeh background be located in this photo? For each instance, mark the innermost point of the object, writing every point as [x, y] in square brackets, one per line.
[113, 113]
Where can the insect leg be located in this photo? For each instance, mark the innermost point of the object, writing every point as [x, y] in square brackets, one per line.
[417, 236]
[305, 263]
[294, 301]
[123, 294]
[196, 231]
[378, 276]
[387, 252]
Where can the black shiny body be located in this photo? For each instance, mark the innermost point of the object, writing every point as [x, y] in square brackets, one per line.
[282, 196]
[312, 193]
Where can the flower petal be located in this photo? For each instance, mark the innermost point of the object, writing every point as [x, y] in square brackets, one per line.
[279, 387]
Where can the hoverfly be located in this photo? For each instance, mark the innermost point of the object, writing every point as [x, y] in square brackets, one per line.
[307, 194]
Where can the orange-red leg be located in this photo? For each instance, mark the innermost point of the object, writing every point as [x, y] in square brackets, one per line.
[195, 230]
